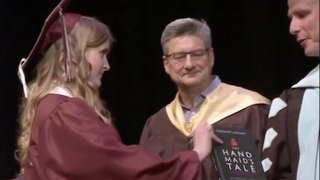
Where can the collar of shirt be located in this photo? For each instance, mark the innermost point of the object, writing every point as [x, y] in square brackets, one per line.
[311, 80]
[189, 112]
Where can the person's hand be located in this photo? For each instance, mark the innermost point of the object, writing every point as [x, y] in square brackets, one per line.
[202, 139]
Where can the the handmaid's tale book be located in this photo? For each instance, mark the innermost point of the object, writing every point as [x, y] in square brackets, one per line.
[238, 157]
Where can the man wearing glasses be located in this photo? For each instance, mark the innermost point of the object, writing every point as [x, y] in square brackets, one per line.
[188, 59]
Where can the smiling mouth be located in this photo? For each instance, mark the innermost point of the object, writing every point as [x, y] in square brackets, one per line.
[190, 73]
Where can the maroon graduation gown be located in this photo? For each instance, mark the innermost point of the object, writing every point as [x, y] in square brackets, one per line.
[70, 141]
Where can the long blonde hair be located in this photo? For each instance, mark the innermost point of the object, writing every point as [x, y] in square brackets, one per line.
[88, 32]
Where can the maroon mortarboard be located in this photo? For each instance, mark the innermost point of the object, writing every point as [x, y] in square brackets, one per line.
[56, 26]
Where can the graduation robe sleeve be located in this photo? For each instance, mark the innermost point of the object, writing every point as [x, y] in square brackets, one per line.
[281, 148]
[69, 141]
[161, 137]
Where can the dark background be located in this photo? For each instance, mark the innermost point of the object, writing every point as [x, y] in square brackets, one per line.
[252, 45]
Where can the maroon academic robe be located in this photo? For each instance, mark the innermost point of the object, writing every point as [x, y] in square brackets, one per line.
[292, 140]
[160, 136]
[70, 142]
[284, 151]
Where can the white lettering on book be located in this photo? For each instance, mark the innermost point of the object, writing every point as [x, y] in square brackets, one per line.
[239, 160]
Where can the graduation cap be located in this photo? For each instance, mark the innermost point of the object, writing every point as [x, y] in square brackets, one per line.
[56, 26]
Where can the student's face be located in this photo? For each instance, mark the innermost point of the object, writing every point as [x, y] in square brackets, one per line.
[193, 70]
[97, 57]
[304, 24]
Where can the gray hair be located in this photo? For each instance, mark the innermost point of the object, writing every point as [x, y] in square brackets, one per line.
[185, 27]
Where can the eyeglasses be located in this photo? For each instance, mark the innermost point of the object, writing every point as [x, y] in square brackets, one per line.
[180, 57]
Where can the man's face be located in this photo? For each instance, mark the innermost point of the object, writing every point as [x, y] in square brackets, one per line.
[304, 24]
[189, 62]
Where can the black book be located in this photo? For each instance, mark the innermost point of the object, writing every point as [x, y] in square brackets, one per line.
[238, 157]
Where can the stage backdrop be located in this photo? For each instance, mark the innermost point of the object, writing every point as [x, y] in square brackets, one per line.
[250, 37]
